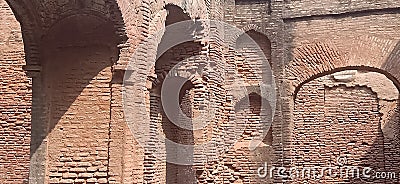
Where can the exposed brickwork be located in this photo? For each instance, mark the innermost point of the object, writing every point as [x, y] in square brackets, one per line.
[254, 58]
[77, 52]
[317, 51]
[78, 143]
[15, 102]
[331, 45]
[240, 162]
[298, 8]
[348, 125]
[78, 131]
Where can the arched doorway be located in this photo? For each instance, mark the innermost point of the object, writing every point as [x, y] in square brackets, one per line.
[166, 169]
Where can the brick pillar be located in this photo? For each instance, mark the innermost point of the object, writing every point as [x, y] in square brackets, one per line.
[39, 127]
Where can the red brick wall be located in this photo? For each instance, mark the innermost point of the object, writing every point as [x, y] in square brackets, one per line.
[77, 81]
[253, 55]
[318, 44]
[15, 101]
[239, 162]
[79, 100]
[158, 170]
[339, 122]
[81, 82]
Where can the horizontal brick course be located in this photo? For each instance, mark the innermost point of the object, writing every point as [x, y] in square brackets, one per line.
[62, 67]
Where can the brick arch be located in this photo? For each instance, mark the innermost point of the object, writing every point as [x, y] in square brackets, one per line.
[248, 29]
[92, 14]
[240, 31]
[154, 41]
[317, 59]
[314, 60]
[29, 24]
[250, 90]
[263, 42]
[253, 51]
[177, 5]
[158, 21]
[33, 28]
[245, 30]
[319, 116]
[317, 103]
[157, 66]
[375, 92]
[16, 99]
[252, 27]
[89, 50]
[112, 15]
[156, 31]
[195, 79]
[252, 33]
[54, 11]
[148, 48]
[117, 23]
[194, 9]
[148, 41]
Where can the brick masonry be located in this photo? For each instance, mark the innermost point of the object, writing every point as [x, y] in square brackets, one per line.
[16, 102]
[349, 124]
[335, 65]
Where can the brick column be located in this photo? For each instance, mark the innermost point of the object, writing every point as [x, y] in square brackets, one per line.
[38, 127]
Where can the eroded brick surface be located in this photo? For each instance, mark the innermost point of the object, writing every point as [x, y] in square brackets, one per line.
[76, 54]
[340, 121]
[15, 102]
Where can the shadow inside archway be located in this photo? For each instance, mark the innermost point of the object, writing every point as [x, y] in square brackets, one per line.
[72, 97]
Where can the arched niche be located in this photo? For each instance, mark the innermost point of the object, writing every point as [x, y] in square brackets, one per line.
[314, 60]
[351, 114]
[15, 101]
[167, 69]
[253, 61]
[77, 57]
